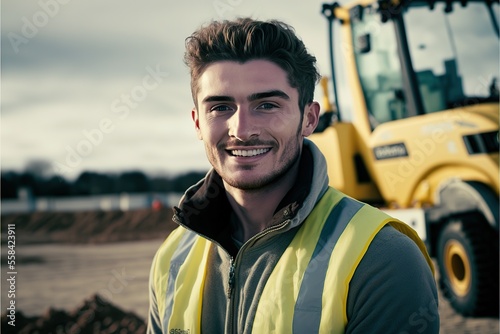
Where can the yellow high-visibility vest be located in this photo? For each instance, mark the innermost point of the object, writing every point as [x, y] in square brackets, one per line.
[306, 291]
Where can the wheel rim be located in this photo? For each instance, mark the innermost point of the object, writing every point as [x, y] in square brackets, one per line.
[457, 266]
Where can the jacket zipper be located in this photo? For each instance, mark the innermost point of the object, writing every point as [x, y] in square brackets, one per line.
[232, 307]
[232, 265]
[231, 277]
[232, 259]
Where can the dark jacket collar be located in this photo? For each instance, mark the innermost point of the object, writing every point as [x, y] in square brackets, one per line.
[205, 208]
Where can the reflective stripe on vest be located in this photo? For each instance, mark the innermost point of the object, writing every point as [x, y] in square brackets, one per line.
[178, 259]
[307, 314]
[306, 291]
[179, 289]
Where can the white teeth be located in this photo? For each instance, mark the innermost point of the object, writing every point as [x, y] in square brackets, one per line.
[249, 153]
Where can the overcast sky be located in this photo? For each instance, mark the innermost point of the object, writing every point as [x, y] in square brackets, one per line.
[100, 85]
[69, 67]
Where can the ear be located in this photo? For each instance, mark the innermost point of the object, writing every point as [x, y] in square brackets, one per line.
[311, 118]
[196, 120]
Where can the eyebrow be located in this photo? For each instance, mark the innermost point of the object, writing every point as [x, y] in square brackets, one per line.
[252, 97]
[218, 98]
[271, 93]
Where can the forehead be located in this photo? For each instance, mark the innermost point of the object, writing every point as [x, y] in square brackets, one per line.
[230, 78]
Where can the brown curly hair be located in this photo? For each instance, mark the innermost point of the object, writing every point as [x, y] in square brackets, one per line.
[246, 39]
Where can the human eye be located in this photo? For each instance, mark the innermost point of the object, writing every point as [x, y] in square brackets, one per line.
[267, 106]
[221, 108]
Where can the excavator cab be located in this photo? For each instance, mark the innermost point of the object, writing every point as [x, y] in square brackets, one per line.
[440, 43]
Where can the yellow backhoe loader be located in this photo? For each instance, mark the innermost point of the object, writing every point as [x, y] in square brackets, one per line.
[414, 129]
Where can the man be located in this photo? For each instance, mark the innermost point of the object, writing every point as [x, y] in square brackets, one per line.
[264, 244]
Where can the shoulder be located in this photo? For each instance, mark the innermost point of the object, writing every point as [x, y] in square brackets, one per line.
[395, 246]
[393, 256]
[172, 240]
[167, 249]
[392, 286]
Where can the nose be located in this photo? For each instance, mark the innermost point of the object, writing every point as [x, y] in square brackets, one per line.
[243, 125]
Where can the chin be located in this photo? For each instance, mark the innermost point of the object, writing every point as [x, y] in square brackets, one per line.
[248, 183]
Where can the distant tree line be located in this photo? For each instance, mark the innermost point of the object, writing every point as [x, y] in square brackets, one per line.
[92, 183]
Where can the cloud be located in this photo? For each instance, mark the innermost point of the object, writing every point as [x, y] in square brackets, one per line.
[76, 58]
[80, 57]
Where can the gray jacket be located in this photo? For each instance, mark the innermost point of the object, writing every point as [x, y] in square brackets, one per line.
[392, 290]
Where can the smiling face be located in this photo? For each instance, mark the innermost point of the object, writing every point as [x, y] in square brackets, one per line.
[249, 120]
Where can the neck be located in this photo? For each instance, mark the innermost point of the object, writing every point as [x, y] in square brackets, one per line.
[253, 209]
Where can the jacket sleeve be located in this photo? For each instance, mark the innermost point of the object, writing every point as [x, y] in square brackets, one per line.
[154, 322]
[393, 289]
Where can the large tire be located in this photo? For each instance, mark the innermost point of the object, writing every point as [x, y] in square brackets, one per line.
[468, 266]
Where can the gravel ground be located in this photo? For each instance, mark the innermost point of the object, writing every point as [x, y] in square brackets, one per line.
[41, 284]
[454, 323]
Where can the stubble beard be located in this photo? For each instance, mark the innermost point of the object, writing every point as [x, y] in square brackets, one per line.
[291, 151]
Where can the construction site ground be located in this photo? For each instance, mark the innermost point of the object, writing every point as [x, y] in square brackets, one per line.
[87, 272]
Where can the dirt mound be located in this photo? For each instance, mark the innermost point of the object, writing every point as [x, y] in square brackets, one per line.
[90, 227]
[96, 315]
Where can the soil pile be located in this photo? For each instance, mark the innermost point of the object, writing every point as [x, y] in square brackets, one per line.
[96, 316]
[90, 227]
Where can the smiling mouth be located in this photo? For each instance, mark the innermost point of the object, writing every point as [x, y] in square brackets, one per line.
[249, 153]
